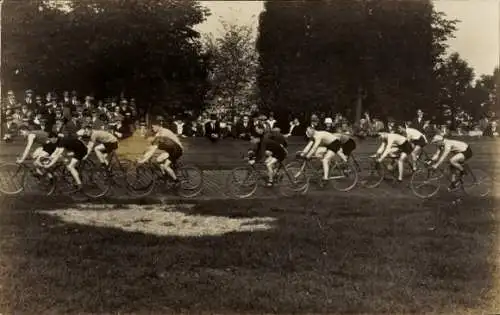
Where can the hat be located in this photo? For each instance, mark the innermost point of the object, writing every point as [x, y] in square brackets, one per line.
[328, 120]
[10, 92]
[123, 101]
[29, 91]
[314, 117]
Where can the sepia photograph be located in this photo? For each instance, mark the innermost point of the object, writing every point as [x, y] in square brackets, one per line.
[249, 157]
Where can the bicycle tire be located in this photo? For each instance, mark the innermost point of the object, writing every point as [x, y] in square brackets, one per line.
[38, 183]
[475, 178]
[141, 181]
[12, 178]
[186, 188]
[299, 170]
[95, 177]
[292, 181]
[337, 174]
[372, 175]
[250, 180]
[425, 178]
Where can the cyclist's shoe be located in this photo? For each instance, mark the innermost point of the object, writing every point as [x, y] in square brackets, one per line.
[454, 185]
[269, 184]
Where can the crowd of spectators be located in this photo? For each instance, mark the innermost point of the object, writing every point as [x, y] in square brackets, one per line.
[65, 115]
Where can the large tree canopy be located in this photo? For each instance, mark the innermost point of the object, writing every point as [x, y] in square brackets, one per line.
[144, 48]
[325, 55]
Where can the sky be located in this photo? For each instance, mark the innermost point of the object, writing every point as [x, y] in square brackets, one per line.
[477, 39]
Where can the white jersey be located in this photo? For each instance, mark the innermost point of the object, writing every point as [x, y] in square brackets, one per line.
[413, 135]
[166, 133]
[455, 146]
[394, 139]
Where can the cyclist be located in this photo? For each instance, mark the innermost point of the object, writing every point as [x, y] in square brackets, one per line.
[164, 140]
[417, 140]
[271, 145]
[107, 143]
[41, 138]
[76, 151]
[318, 139]
[393, 143]
[461, 152]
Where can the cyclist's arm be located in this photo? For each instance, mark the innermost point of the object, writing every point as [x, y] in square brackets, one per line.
[381, 148]
[436, 155]
[388, 146]
[54, 157]
[31, 139]
[90, 146]
[148, 154]
[308, 147]
[446, 152]
[314, 148]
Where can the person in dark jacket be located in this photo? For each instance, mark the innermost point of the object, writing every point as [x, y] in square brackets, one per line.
[212, 129]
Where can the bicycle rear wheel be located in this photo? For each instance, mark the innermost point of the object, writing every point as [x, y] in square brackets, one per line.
[292, 180]
[190, 181]
[372, 174]
[344, 177]
[242, 182]
[425, 183]
[35, 183]
[11, 178]
[96, 180]
[477, 182]
[140, 180]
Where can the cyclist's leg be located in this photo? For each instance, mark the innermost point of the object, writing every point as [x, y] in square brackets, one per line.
[270, 163]
[100, 152]
[71, 167]
[160, 159]
[401, 162]
[327, 159]
[456, 162]
[417, 149]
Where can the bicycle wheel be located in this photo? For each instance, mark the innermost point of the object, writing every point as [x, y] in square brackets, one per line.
[372, 174]
[425, 183]
[191, 181]
[344, 177]
[292, 180]
[35, 183]
[66, 185]
[96, 180]
[11, 178]
[140, 180]
[242, 182]
[477, 182]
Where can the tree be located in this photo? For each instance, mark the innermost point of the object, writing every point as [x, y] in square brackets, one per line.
[145, 48]
[330, 55]
[455, 79]
[482, 98]
[233, 64]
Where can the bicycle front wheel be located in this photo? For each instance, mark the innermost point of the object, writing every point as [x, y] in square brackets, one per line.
[141, 180]
[425, 183]
[11, 178]
[372, 174]
[242, 182]
[293, 180]
[477, 182]
[190, 181]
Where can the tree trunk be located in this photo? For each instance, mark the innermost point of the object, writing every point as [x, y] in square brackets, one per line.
[359, 105]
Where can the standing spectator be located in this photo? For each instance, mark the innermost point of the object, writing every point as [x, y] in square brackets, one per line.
[178, 126]
[212, 129]
[66, 99]
[419, 122]
[74, 99]
[271, 121]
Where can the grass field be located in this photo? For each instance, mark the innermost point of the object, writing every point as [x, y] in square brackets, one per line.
[357, 253]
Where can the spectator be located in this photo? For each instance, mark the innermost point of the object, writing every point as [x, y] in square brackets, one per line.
[28, 99]
[418, 122]
[271, 121]
[329, 124]
[244, 128]
[491, 130]
[212, 129]
[295, 128]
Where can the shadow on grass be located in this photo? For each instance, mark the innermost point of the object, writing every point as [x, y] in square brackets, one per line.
[328, 254]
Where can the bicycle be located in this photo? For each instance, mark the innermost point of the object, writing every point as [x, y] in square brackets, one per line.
[143, 178]
[253, 177]
[344, 176]
[19, 176]
[375, 173]
[426, 183]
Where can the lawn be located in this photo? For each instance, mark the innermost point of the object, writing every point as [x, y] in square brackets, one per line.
[319, 254]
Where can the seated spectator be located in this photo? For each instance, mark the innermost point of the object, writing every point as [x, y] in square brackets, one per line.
[97, 122]
[491, 130]
[476, 131]
[271, 121]
[244, 128]
[212, 129]
[329, 124]
[295, 128]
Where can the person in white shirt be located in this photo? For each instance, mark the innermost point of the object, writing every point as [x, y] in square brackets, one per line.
[168, 142]
[391, 144]
[327, 140]
[417, 140]
[460, 151]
